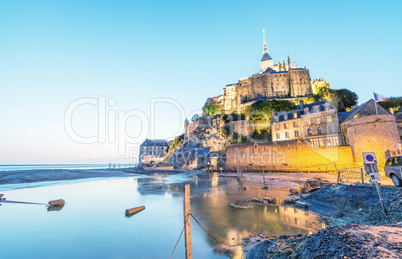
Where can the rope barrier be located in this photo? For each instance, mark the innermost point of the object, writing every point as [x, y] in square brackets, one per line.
[206, 231]
[179, 237]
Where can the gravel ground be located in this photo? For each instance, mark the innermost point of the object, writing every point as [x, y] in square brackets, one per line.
[356, 204]
[347, 241]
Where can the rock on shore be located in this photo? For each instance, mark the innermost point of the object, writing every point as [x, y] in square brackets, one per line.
[357, 203]
[347, 241]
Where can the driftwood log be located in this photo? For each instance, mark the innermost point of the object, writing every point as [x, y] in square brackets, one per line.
[59, 202]
[130, 212]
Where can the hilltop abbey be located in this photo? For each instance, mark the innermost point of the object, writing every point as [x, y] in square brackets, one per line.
[273, 81]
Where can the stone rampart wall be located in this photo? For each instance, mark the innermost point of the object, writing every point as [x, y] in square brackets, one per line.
[287, 155]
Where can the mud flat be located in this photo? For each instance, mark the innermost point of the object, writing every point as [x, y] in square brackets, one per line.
[45, 175]
[347, 241]
[358, 227]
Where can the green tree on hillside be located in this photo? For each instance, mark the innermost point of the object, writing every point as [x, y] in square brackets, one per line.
[346, 99]
[211, 108]
[394, 103]
[195, 117]
[176, 141]
[340, 98]
[262, 110]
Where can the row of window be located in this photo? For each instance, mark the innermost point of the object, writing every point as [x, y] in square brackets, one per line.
[324, 142]
[155, 153]
[154, 148]
[287, 135]
[286, 125]
[306, 122]
[330, 130]
[309, 132]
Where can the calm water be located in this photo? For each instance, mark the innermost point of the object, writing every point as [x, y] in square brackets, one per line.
[92, 224]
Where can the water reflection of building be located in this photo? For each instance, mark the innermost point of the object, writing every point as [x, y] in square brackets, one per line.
[230, 225]
[300, 218]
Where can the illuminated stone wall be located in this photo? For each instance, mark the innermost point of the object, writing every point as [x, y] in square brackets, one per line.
[291, 83]
[288, 155]
[372, 133]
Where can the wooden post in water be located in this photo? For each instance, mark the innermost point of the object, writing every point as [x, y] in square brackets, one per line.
[187, 221]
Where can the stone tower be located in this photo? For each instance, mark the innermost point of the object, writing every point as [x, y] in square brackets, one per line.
[186, 123]
[266, 60]
[370, 128]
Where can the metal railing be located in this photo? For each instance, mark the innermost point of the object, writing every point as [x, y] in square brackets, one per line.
[351, 173]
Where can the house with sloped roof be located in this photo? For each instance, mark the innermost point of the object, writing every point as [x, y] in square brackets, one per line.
[153, 151]
[315, 123]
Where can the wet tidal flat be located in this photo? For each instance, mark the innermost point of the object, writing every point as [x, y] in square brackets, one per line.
[92, 224]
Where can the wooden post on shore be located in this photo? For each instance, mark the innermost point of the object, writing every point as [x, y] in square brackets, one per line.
[187, 221]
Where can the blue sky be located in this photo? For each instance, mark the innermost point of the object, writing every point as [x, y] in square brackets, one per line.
[55, 52]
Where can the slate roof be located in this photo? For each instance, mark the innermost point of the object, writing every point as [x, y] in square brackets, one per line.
[298, 112]
[204, 152]
[342, 115]
[266, 56]
[366, 112]
[154, 142]
[355, 111]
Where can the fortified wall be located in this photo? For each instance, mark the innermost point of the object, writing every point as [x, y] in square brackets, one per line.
[288, 155]
[372, 133]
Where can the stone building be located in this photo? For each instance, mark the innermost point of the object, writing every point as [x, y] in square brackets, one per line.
[273, 81]
[153, 151]
[317, 84]
[316, 124]
[399, 122]
[371, 128]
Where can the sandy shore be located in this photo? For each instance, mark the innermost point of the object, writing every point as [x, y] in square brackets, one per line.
[46, 175]
[292, 180]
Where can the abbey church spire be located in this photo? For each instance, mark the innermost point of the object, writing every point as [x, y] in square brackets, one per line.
[266, 60]
[265, 48]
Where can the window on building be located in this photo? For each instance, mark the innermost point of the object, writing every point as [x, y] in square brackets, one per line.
[318, 120]
[286, 134]
[295, 124]
[309, 131]
[296, 133]
[285, 117]
[314, 143]
[319, 130]
[330, 129]
[277, 126]
[332, 141]
[285, 125]
[278, 136]
[321, 142]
